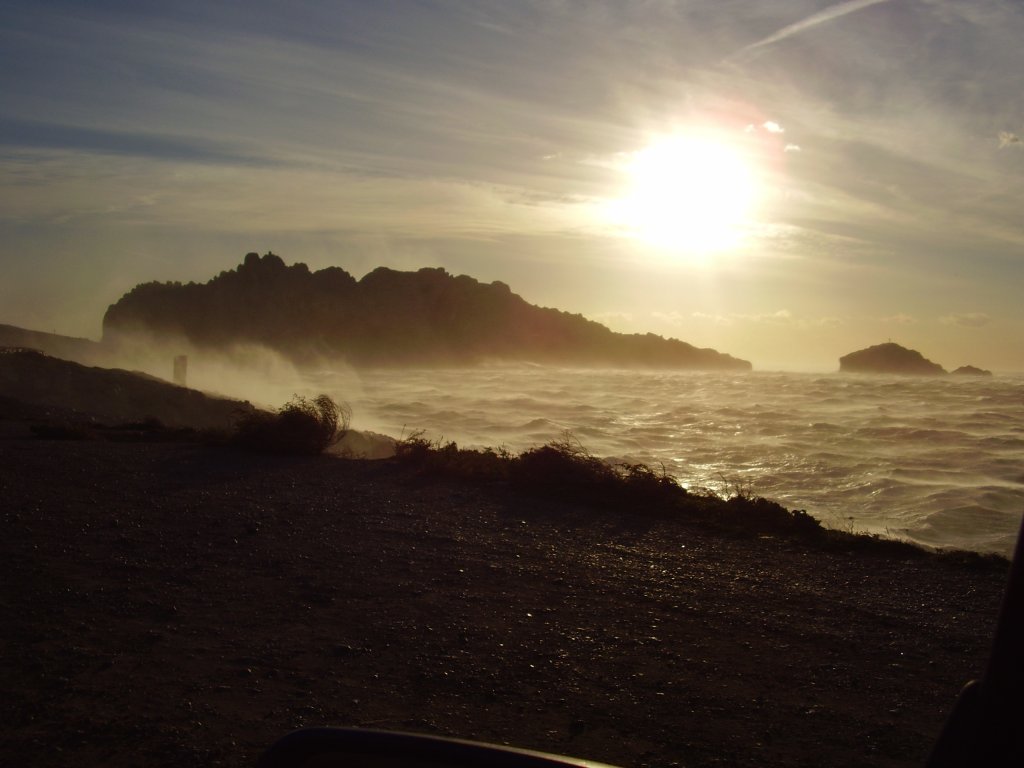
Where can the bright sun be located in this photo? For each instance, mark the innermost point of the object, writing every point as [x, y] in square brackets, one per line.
[687, 194]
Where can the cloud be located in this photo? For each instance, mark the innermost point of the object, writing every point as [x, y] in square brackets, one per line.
[900, 318]
[49, 135]
[967, 319]
[612, 319]
[52, 187]
[822, 17]
[781, 316]
[1008, 139]
[826, 322]
[792, 148]
[769, 125]
[672, 318]
[705, 317]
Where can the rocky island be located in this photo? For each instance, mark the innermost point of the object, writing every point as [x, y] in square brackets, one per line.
[970, 370]
[889, 358]
[388, 317]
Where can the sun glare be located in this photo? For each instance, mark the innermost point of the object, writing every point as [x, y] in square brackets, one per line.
[687, 194]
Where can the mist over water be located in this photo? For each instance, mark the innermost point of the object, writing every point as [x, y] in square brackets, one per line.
[936, 460]
[244, 371]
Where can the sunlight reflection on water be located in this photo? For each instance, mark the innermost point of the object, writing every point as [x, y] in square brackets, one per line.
[911, 457]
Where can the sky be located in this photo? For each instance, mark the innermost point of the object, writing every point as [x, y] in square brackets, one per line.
[786, 182]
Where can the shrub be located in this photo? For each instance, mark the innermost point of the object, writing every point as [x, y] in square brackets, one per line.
[301, 427]
[415, 448]
[757, 515]
[448, 460]
[565, 469]
[644, 483]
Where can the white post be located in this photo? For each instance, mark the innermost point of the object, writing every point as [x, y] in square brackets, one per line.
[180, 370]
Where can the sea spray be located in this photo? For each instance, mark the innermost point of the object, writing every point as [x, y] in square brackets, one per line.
[939, 460]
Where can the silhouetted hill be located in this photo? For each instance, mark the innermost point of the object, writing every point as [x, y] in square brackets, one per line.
[388, 317]
[67, 347]
[970, 370]
[66, 390]
[888, 358]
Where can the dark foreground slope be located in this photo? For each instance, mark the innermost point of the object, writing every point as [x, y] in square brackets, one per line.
[173, 604]
[427, 317]
[68, 347]
[70, 392]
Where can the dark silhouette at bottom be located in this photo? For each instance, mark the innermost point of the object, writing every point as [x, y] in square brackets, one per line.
[986, 726]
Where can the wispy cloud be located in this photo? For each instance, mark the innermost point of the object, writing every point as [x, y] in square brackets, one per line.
[768, 125]
[900, 318]
[613, 319]
[1008, 139]
[967, 320]
[781, 316]
[59, 136]
[822, 17]
[43, 186]
[672, 318]
[489, 135]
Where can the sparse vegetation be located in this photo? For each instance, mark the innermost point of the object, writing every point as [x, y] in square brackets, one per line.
[564, 471]
[446, 459]
[302, 426]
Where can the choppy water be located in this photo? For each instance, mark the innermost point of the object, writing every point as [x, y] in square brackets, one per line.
[936, 460]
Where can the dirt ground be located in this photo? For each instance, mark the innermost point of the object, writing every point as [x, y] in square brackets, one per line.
[171, 604]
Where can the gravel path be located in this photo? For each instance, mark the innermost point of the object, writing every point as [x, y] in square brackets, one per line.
[174, 604]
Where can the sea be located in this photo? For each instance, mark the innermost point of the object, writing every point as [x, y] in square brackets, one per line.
[935, 460]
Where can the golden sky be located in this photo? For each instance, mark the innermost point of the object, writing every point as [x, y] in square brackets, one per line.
[784, 181]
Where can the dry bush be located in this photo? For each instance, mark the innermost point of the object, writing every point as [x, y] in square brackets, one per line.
[446, 459]
[301, 427]
[565, 469]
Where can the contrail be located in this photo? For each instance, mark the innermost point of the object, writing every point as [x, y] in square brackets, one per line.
[821, 17]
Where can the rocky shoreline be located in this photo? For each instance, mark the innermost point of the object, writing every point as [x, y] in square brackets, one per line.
[170, 603]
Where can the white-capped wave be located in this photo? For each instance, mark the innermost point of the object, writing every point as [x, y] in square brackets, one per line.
[872, 453]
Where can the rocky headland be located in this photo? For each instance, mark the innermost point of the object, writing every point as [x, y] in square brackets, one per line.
[428, 317]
